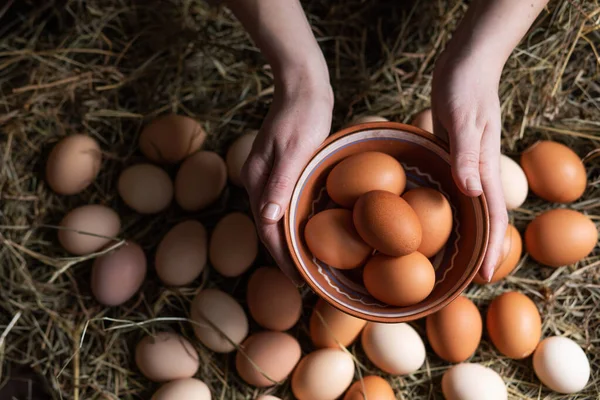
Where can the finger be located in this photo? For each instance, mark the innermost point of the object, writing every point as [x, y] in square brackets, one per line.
[465, 147]
[273, 236]
[492, 186]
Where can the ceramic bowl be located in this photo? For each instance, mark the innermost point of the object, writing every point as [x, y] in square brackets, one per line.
[426, 161]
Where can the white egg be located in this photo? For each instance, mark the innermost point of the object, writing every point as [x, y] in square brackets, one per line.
[395, 348]
[469, 381]
[514, 182]
[561, 365]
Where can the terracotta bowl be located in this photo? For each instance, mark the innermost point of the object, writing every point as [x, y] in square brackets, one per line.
[426, 161]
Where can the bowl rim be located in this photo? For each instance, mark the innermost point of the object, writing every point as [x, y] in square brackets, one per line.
[366, 316]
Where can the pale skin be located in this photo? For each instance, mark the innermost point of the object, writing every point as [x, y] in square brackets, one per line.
[464, 102]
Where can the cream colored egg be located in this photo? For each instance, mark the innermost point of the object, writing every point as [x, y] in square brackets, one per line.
[561, 365]
[200, 180]
[183, 389]
[268, 397]
[87, 229]
[514, 182]
[220, 322]
[146, 188]
[166, 356]
[233, 245]
[365, 119]
[394, 348]
[323, 375]
[237, 154]
[473, 382]
[423, 120]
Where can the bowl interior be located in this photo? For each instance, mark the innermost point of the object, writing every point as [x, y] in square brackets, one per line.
[427, 164]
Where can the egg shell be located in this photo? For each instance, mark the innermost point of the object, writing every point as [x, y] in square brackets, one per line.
[560, 237]
[274, 353]
[371, 387]
[233, 245]
[73, 164]
[237, 154]
[200, 180]
[424, 120]
[165, 357]
[213, 308]
[331, 237]
[145, 188]
[512, 247]
[394, 348]
[83, 222]
[267, 397]
[514, 182]
[561, 365]
[435, 216]
[362, 173]
[170, 138]
[455, 331]
[473, 382]
[514, 325]
[365, 119]
[181, 254]
[386, 222]
[333, 327]
[182, 389]
[399, 281]
[323, 375]
[273, 300]
[554, 171]
[118, 275]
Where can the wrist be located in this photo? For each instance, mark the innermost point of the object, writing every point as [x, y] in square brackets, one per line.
[307, 78]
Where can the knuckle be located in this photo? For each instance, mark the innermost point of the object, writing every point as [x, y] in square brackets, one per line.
[468, 159]
[279, 182]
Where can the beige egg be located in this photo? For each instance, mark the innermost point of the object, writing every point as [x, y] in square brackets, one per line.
[166, 356]
[146, 188]
[394, 348]
[171, 138]
[237, 154]
[267, 397]
[183, 389]
[323, 375]
[181, 254]
[273, 300]
[116, 276]
[200, 180]
[274, 354]
[73, 164]
[469, 381]
[514, 182]
[220, 322]
[87, 229]
[424, 120]
[366, 119]
[233, 245]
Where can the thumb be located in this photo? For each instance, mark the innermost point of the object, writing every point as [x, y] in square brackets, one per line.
[465, 147]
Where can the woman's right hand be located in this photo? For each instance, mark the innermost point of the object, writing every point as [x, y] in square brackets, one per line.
[298, 121]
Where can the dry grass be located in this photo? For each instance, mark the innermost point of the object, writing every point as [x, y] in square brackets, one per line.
[106, 66]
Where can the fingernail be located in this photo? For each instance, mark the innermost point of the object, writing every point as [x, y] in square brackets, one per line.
[271, 211]
[473, 184]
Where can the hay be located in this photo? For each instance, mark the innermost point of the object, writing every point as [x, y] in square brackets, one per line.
[105, 67]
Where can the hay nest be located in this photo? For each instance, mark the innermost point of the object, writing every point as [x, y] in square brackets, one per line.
[106, 67]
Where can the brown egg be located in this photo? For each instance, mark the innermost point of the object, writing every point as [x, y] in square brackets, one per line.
[274, 353]
[216, 314]
[333, 327]
[371, 387]
[454, 332]
[435, 215]
[166, 356]
[200, 181]
[511, 254]
[424, 120]
[363, 172]
[273, 300]
[387, 223]
[554, 171]
[87, 229]
[116, 276]
[171, 138]
[514, 325]
[146, 188]
[331, 237]
[189, 388]
[560, 237]
[237, 154]
[181, 254]
[73, 164]
[233, 245]
[399, 281]
[323, 375]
